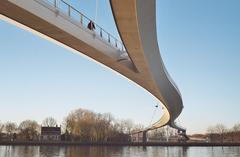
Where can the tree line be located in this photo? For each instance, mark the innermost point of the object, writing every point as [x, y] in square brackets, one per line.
[220, 133]
[80, 125]
[26, 130]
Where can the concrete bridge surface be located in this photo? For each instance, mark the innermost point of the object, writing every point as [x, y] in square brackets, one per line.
[137, 57]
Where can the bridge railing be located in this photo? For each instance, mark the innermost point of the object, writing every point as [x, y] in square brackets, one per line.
[83, 21]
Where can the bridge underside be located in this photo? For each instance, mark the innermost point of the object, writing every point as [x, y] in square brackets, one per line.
[136, 23]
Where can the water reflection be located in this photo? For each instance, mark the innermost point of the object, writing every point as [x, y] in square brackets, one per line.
[19, 151]
[101, 151]
[224, 151]
[49, 151]
[86, 151]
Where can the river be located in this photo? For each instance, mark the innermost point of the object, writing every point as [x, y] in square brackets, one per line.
[108, 151]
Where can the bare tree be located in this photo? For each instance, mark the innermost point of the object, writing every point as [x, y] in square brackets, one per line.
[1, 127]
[29, 129]
[49, 121]
[221, 129]
[211, 130]
[85, 125]
[137, 127]
[236, 128]
[127, 126]
[79, 123]
[10, 128]
[161, 132]
[218, 129]
[234, 131]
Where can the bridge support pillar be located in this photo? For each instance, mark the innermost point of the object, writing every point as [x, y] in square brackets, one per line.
[144, 137]
[138, 137]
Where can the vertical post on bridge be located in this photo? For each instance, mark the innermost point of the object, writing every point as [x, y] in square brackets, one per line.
[81, 19]
[116, 43]
[69, 11]
[144, 140]
[55, 3]
[101, 33]
[109, 40]
[138, 137]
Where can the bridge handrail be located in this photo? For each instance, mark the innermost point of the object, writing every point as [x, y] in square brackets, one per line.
[84, 20]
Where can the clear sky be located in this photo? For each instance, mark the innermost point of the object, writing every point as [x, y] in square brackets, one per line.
[199, 43]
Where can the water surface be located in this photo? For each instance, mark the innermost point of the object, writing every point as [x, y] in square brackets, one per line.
[127, 151]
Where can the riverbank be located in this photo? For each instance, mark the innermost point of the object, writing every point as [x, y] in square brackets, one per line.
[63, 143]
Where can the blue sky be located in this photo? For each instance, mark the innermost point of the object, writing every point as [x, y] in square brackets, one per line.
[199, 43]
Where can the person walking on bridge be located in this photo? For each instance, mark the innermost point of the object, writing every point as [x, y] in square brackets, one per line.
[91, 25]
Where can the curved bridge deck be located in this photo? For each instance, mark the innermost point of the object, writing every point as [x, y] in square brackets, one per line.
[136, 22]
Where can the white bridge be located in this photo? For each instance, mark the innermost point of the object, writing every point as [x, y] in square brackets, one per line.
[138, 58]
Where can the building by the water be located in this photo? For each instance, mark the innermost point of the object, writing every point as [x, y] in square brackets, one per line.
[51, 133]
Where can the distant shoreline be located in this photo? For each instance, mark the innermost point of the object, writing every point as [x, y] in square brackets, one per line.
[66, 143]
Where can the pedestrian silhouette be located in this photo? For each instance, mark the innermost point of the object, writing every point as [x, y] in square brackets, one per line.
[91, 25]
